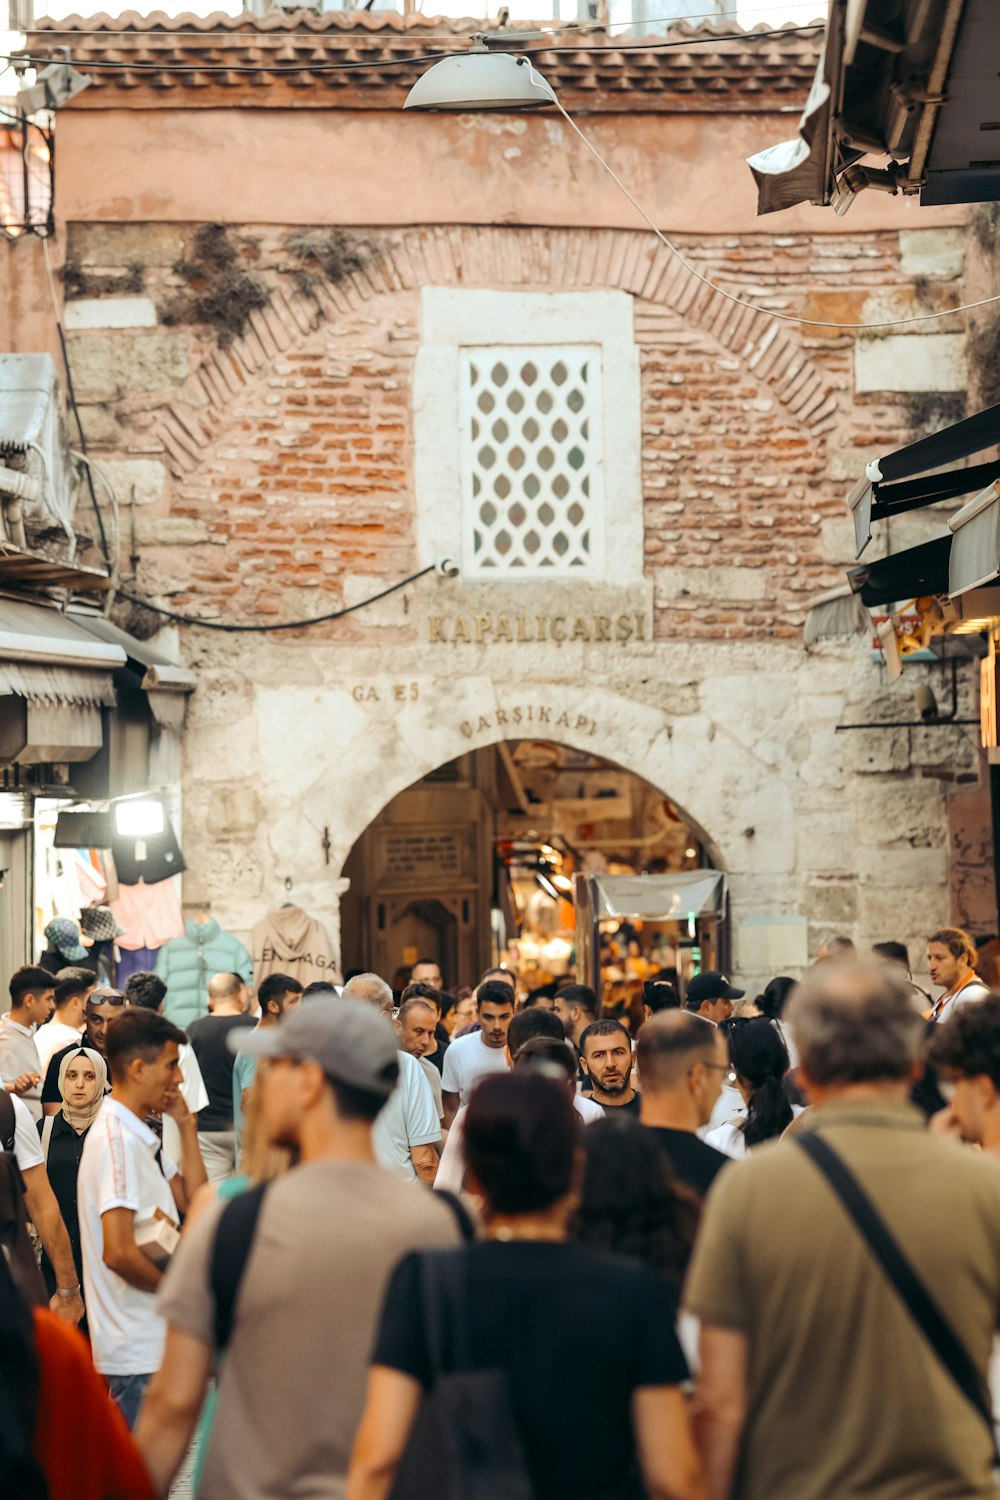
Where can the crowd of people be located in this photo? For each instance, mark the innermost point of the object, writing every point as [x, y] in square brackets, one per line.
[348, 1242]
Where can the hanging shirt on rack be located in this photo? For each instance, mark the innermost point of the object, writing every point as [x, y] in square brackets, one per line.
[290, 941]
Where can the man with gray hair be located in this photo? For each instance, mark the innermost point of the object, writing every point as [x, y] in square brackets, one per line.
[407, 1132]
[817, 1378]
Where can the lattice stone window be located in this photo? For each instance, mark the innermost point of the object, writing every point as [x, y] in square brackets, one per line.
[531, 471]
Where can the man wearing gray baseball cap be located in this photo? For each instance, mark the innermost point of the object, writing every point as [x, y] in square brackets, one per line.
[322, 1244]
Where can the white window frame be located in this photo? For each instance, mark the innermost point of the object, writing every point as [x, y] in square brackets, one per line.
[453, 320]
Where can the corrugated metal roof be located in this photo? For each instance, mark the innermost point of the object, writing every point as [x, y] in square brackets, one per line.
[31, 632]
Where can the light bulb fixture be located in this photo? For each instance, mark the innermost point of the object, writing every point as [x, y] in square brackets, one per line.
[481, 79]
[139, 817]
[690, 852]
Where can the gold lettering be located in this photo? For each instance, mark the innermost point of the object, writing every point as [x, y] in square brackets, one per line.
[517, 716]
[501, 717]
[582, 721]
[543, 715]
[640, 628]
[466, 729]
[542, 621]
[502, 632]
[623, 630]
[521, 630]
[563, 721]
[580, 631]
[602, 627]
[398, 692]
[484, 626]
[484, 722]
[461, 631]
[414, 691]
[436, 626]
[358, 693]
[560, 622]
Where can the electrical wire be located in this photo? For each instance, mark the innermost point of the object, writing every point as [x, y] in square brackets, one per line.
[278, 69]
[334, 614]
[767, 312]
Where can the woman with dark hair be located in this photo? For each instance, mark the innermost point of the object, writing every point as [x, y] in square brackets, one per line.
[518, 1302]
[631, 1203]
[759, 1059]
[61, 1436]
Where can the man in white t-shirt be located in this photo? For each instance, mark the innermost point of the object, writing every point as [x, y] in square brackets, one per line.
[125, 1186]
[32, 997]
[951, 962]
[73, 989]
[471, 1057]
[19, 1135]
[407, 1133]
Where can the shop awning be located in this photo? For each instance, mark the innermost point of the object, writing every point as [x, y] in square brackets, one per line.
[924, 472]
[974, 559]
[165, 684]
[45, 655]
[796, 171]
[911, 574]
[835, 614]
[663, 898]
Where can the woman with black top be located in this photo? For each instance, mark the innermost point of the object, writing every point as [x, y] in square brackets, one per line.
[583, 1343]
[760, 1061]
[83, 1076]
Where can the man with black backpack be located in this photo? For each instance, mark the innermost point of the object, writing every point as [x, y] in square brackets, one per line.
[288, 1279]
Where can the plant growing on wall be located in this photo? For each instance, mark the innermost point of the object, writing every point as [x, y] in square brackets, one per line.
[327, 255]
[219, 290]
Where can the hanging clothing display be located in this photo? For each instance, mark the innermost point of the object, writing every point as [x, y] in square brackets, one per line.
[135, 961]
[150, 859]
[150, 915]
[187, 963]
[290, 941]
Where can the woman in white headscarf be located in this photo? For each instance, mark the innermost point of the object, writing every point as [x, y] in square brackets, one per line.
[83, 1078]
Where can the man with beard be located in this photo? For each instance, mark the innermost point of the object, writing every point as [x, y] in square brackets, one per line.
[606, 1061]
[102, 1007]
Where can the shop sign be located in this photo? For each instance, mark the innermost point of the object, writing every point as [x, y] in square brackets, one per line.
[524, 629]
[532, 718]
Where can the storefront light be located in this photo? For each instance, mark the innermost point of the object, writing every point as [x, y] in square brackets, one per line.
[15, 810]
[139, 818]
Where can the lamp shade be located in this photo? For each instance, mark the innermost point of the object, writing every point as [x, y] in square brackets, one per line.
[480, 80]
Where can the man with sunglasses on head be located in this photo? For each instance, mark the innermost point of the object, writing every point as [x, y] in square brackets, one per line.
[683, 1062]
[102, 1007]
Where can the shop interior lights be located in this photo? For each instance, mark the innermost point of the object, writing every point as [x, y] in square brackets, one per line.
[139, 817]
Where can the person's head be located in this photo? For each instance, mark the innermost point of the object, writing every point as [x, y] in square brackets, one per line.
[503, 974]
[32, 995]
[772, 1001]
[462, 1013]
[894, 953]
[71, 996]
[427, 971]
[415, 1023]
[711, 996]
[528, 1024]
[951, 953]
[683, 1058]
[143, 1052]
[275, 995]
[373, 990]
[331, 1065]
[145, 990]
[521, 1139]
[577, 1007]
[426, 992]
[63, 937]
[839, 948]
[631, 1204]
[85, 977]
[83, 1075]
[228, 995]
[759, 1059]
[102, 1008]
[658, 995]
[551, 1057]
[606, 1057]
[540, 1000]
[494, 1011]
[965, 1050]
[854, 1025]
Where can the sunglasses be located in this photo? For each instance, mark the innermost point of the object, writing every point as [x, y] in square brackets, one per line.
[107, 997]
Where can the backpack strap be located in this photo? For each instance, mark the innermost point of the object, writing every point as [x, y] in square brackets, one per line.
[8, 1121]
[902, 1276]
[233, 1242]
[463, 1218]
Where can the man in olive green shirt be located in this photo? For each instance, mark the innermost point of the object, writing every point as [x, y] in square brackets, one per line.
[816, 1383]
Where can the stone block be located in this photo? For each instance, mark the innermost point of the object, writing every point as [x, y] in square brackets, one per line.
[141, 479]
[848, 464]
[931, 252]
[837, 542]
[830, 904]
[110, 312]
[876, 750]
[121, 364]
[234, 812]
[893, 867]
[122, 244]
[911, 362]
[170, 531]
[100, 425]
[716, 583]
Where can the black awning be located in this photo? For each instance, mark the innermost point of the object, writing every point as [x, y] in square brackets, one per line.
[949, 446]
[906, 575]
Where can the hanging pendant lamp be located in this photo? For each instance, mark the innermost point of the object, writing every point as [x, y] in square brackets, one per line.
[481, 79]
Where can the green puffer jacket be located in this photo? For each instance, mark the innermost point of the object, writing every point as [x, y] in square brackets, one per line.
[187, 963]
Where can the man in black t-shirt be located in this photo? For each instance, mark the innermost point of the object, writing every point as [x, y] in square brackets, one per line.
[683, 1061]
[606, 1062]
[228, 1000]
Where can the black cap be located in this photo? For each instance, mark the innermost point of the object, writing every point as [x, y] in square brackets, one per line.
[711, 986]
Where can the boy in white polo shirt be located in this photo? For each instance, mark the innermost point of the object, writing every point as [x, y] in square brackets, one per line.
[126, 1182]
